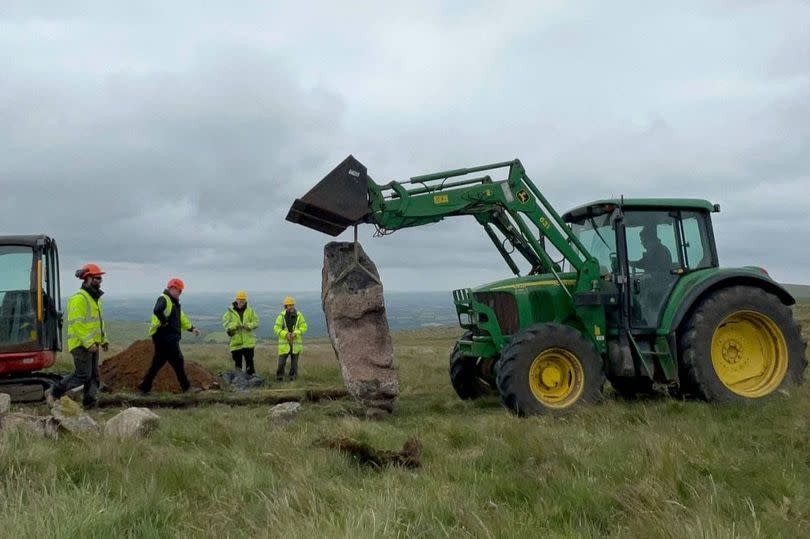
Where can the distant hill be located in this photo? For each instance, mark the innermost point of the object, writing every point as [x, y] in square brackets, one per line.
[799, 291]
[405, 310]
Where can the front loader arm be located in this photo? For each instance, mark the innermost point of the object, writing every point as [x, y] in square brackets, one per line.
[509, 206]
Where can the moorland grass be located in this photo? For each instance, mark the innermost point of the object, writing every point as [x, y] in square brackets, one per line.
[653, 468]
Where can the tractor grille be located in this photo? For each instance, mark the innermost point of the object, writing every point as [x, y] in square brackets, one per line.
[505, 307]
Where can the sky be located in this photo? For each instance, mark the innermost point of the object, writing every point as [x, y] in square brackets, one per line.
[163, 139]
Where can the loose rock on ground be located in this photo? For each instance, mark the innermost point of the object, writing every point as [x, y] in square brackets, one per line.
[132, 423]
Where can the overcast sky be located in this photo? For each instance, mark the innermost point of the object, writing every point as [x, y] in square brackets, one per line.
[163, 139]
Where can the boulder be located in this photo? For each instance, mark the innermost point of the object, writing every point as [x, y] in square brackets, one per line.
[132, 423]
[284, 411]
[241, 381]
[352, 299]
[5, 402]
[71, 416]
[45, 427]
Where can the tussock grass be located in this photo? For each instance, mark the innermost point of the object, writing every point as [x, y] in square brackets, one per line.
[655, 468]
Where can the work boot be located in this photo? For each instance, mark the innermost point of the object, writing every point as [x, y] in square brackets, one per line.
[88, 405]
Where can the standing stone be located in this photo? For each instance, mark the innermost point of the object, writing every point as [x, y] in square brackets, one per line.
[352, 298]
[5, 402]
[132, 423]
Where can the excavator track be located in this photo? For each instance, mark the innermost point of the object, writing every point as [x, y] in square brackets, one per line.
[29, 387]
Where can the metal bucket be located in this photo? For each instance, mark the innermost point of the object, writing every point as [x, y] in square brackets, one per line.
[337, 202]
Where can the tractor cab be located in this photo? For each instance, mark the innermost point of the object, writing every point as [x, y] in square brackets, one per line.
[30, 318]
[652, 241]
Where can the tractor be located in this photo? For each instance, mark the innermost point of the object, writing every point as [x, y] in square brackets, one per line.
[624, 289]
[30, 315]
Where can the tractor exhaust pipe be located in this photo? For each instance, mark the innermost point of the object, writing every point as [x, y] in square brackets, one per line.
[337, 202]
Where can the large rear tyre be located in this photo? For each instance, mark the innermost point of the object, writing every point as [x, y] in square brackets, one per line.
[465, 376]
[740, 344]
[549, 368]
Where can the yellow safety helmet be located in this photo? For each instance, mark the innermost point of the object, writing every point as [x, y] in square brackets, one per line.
[241, 295]
[289, 301]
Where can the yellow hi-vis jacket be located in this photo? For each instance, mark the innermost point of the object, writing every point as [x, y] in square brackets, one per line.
[85, 321]
[154, 324]
[280, 329]
[242, 325]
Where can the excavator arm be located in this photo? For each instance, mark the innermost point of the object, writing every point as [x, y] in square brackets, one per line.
[508, 206]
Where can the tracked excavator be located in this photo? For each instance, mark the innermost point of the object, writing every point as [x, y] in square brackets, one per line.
[30, 315]
[626, 289]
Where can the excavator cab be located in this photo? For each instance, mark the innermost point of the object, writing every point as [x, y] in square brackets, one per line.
[30, 306]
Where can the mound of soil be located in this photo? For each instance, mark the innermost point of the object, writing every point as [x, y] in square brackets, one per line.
[124, 371]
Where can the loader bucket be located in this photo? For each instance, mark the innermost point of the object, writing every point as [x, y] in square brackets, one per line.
[337, 202]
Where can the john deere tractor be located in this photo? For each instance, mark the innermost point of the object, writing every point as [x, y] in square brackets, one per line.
[627, 289]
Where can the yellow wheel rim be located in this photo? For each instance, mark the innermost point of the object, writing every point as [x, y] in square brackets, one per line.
[749, 354]
[556, 378]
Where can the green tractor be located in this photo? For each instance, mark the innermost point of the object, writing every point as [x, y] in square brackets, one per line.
[624, 289]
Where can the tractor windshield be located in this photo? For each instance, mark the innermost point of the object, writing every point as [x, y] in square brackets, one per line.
[597, 235]
[17, 314]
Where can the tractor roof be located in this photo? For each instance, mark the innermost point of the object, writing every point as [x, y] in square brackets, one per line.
[599, 207]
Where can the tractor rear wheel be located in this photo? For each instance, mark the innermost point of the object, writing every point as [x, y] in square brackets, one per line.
[465, 376]
[549, 368]
[740, 343]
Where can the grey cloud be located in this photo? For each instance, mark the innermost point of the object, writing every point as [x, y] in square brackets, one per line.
[168, 139]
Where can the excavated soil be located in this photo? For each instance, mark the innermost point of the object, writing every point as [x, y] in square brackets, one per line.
[124, 371]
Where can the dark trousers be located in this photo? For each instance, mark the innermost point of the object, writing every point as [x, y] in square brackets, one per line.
[246, 353]
[166, 352]
[85, 373]
[282, 360]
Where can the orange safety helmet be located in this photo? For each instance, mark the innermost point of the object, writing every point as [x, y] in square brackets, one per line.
[89, 270]
[174, 282]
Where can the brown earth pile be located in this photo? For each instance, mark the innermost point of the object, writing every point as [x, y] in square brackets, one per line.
[124, 371]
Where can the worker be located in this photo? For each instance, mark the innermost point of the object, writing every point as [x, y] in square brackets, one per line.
[168, 322]
[239, 321]
[85, 336]
[290, 326]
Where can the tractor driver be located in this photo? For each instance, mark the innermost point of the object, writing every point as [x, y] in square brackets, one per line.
[656, 258]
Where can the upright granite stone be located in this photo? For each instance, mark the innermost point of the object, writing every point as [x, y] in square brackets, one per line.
[352, 298]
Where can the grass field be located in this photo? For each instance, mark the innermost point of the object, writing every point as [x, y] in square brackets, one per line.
[656, 468]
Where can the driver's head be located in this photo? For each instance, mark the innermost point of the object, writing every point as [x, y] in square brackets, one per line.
[648, 234]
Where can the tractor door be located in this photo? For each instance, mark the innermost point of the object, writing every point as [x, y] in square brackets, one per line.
[662, 246]
[654, 258]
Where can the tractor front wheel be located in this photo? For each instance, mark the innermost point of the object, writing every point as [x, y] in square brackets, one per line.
[466, 375]
[549, 368]
[740, 343]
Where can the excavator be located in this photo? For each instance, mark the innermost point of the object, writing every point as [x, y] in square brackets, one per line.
[30, 315]
[628, 290]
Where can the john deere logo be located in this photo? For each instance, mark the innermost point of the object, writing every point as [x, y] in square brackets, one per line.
[522, 196]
